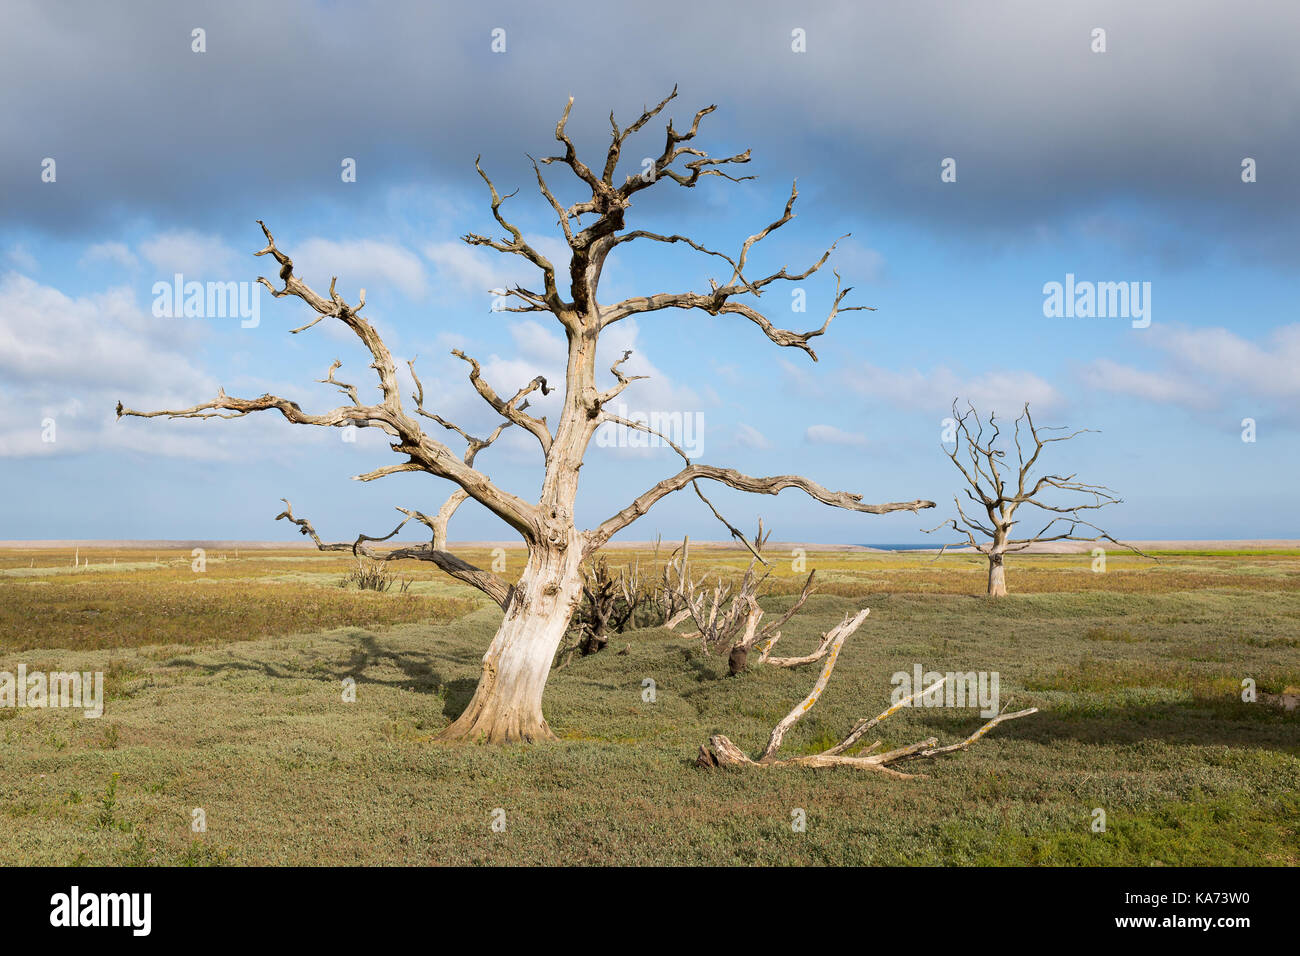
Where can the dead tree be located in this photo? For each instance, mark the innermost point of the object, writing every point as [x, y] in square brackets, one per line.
[538, 605]
[672, 593]
[723, 753]
[608, 604]
[1002, 495]
[727, 621]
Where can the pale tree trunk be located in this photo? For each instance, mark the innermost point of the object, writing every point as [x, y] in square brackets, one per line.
[997, 575]
[507, 706]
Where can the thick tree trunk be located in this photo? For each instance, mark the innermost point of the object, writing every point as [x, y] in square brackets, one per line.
[997, 576]
[507, 706]
[595, 642]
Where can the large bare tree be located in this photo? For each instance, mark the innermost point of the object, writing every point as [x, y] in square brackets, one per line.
[538, 605]
[1002, 495]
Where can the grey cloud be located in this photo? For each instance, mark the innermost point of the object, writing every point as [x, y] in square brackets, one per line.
[1042, 128]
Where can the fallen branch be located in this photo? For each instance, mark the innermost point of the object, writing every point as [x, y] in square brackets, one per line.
[723, 753]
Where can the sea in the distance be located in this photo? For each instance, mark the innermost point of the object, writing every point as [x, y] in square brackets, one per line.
[901, 547]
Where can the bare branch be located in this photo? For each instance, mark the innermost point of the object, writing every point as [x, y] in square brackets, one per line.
[723, 753]
[516, 245]
[511, 410]
[473, 445]
[490, 584]
[341, 417]
[734, 479]
[423, 453]
[718, 301]
[616, 147]
[962, 745]
[623, 381]
[348, 390]
[841, 632]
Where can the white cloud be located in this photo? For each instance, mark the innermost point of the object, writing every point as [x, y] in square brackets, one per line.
[657, 391]
[112, 252]
[1001, 392]
[538, 342]
[1237, 363]
[1207, 368]
[509, 375]
[1149, 386]
[71, 359]
[555, 249]
[22, 259]
[830, 435]
[857, 264]
[194, 255]
[50, 339]
[476, 269]
[798, 377]
[750, 437]
[729, 374]
[357, 262]
[465, 268]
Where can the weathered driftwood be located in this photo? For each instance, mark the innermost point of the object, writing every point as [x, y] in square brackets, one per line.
[721, 752]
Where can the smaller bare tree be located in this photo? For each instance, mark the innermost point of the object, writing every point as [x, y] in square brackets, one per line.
[1001, 495]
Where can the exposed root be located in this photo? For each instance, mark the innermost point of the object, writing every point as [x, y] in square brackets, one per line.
[502, 729]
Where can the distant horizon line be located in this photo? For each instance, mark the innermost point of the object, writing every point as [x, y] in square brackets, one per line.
[132, 544]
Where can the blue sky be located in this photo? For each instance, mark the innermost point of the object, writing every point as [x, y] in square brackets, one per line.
[1122, 166]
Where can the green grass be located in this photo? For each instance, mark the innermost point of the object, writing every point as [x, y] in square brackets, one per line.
[1233, 830]
[1232, 553]
[1139, 690]
[136, 604]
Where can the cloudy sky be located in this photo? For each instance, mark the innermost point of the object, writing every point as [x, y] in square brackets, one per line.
[1117, 166]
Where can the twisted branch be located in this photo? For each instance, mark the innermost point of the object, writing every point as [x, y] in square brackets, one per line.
[490, 584]
[734, 479]
[723, 753]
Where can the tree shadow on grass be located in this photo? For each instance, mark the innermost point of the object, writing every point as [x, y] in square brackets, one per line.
[417, 668]
[459, 692]
[1202, 722]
